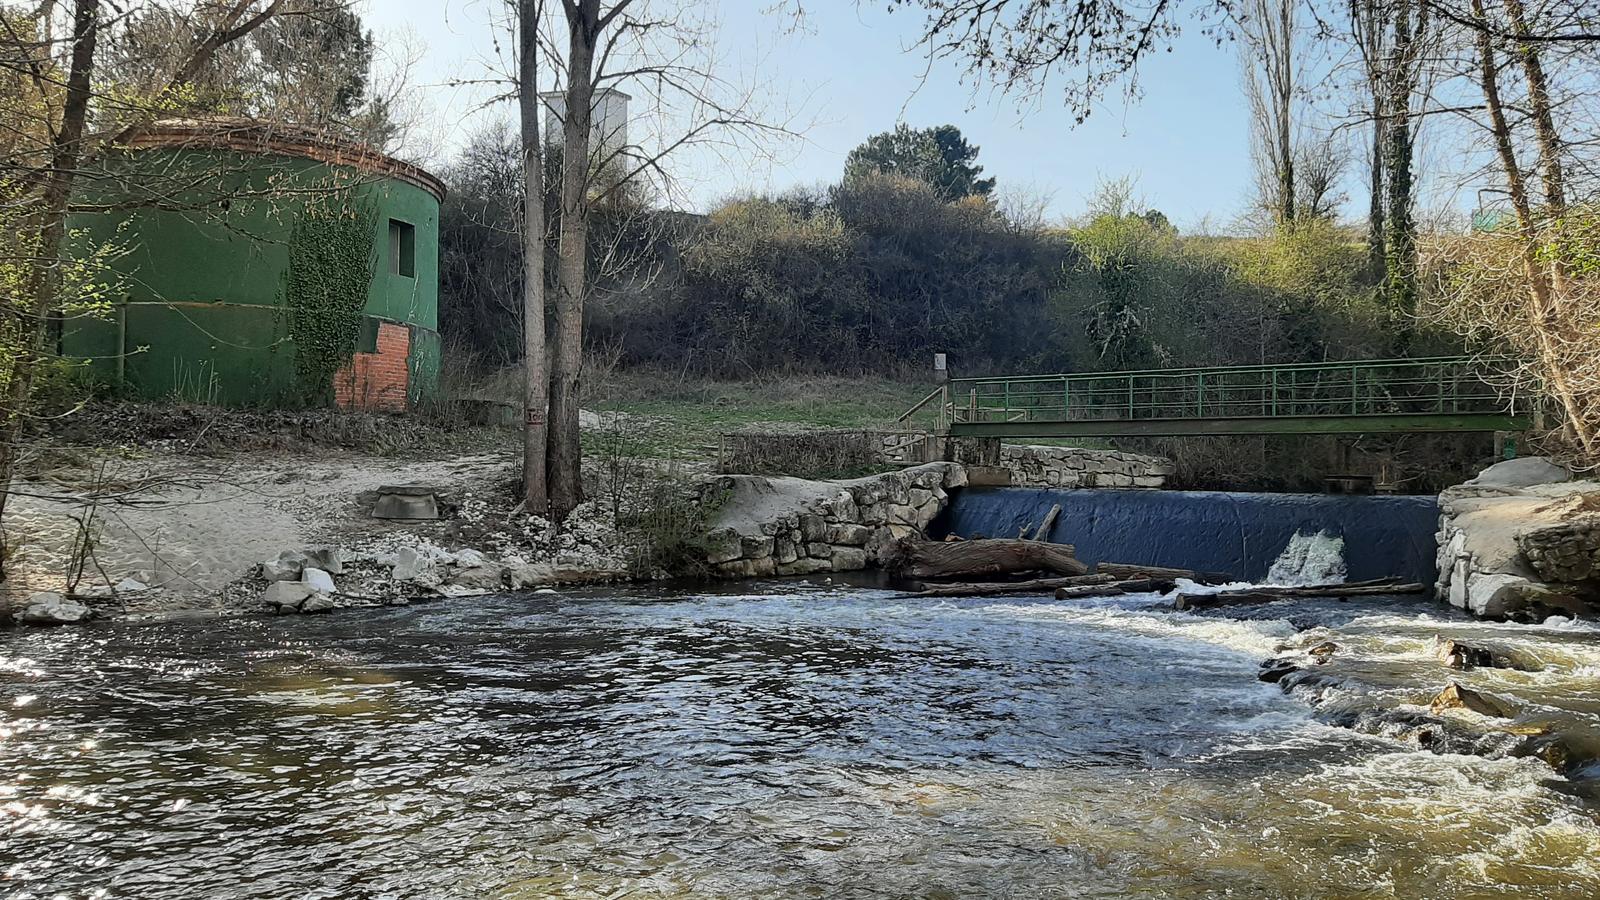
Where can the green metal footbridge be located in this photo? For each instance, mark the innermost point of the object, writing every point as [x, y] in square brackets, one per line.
[1440, 394]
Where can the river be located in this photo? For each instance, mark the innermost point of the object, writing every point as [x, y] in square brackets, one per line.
[792, 740]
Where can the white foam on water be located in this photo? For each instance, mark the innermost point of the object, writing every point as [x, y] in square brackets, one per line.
[1309, 559]
[1257, 637]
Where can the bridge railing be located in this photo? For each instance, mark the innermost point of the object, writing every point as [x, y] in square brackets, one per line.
[1440, 385]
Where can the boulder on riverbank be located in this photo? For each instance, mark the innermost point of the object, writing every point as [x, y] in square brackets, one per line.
[1522, 540]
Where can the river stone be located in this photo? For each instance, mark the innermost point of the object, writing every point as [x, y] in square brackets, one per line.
[488, 577]
[317, 580]
[805, 567]
[849, 559]
[50, 608]
[1454, 696]
[813, 528]
[852, 535]
[287, 567]
[784, 550]
[528, 575]
[318, 603]
[408, 564]
[131, 586]
[756, 547]
[285, 596]
[1457, 655]
[723, 546]
[470, 559]
[328, 559]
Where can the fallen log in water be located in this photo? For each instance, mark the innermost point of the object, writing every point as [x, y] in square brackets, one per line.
[1127, 570]
[1115, 588]
[995, 589]
[1268, 594]
[915, 558]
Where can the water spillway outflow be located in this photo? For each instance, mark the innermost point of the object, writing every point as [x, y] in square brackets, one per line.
[1241, 534]
[773, 740]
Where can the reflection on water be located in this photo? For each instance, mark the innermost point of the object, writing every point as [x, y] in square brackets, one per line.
[815, 742]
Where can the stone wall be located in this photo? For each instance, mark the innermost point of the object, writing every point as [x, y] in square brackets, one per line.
[1076, 467]
[773, 525]
[1520, 541]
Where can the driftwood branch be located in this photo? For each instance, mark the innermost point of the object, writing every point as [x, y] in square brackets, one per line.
[1117, 588]
[1127, 570]
[996, 589]
[915, 558]
[1043, 531]
[1269, 594]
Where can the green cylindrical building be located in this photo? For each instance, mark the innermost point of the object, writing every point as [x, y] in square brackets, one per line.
[253, 264]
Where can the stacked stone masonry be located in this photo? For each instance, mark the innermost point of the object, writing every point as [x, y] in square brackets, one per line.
[815, 527]
[1076, 467]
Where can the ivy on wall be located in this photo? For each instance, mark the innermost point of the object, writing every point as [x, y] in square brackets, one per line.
[332, 259]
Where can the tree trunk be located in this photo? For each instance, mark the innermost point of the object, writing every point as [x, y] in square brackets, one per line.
[536, 385]
[1127, 571]
[1001, 588]
[1542, 312]
[915, 558]
[565, 450]
[1375, 217]
[1285, 99]
[1400, 247]
[48, 224]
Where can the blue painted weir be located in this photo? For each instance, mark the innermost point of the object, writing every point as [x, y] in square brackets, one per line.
[1212, 531]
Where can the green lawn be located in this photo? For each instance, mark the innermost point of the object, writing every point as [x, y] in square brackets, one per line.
[685, 416]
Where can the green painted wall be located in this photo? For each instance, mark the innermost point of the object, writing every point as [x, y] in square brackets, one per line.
[207, 239]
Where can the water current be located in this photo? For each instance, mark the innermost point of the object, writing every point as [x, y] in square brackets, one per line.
[789, 740]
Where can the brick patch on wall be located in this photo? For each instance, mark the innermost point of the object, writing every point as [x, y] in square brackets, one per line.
[381, 380]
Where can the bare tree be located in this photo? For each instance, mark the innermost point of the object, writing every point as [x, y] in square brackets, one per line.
[1271, 75]
[536, 385]
[664, 52]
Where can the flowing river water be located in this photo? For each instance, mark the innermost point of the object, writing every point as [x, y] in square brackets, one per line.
[793, 740]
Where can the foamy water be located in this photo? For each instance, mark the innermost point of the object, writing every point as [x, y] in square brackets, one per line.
[788, 741]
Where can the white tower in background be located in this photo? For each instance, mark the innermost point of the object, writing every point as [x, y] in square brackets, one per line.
[608, 125]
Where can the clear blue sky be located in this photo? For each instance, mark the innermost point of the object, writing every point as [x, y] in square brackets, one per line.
[855, 73]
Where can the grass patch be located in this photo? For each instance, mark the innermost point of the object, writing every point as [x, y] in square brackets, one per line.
[688, 415]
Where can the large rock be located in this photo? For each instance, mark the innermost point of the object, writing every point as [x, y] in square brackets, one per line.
[1515, 544]
[1526, 471]
[285, 596]
[408, 564]
[49, 608]
[1454, 696]
[487, 577]
[328, 559]
[1502, 596]
[287, 566]
[318, 603]
[318, 580]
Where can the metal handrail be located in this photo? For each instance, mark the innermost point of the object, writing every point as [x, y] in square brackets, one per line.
[905, 417]
[1344, 365]
[1374, 389]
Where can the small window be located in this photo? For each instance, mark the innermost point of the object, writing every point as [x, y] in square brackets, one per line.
[367, 337]
[402, 249]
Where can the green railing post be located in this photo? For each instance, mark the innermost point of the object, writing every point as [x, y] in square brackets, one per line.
[1130, 397]
[1274, 392]
[1200, 394]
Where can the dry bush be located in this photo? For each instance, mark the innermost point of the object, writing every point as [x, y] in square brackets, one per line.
[1477, 285]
